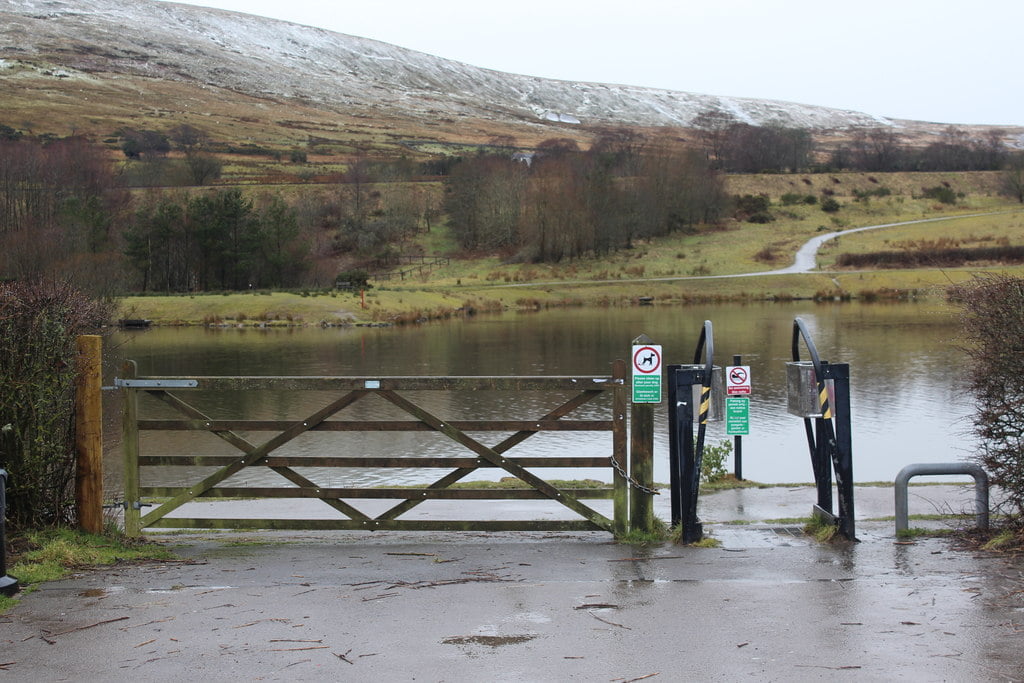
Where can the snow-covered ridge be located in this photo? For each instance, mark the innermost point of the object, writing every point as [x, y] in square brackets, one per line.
[270, 58]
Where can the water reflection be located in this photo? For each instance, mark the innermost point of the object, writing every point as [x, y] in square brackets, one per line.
[908, 402]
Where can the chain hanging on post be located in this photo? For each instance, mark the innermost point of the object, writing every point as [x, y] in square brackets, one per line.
[632, 482]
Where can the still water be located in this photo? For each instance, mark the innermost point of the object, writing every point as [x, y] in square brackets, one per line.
[907, 376]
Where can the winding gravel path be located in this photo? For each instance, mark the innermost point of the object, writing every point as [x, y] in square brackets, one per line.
[805, 261]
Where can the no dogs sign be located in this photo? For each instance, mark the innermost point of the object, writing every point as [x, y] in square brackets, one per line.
[647, 373]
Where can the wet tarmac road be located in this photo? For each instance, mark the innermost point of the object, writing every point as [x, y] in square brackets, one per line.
[767, 605]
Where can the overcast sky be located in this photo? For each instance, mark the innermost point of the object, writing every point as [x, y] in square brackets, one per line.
[932, 60]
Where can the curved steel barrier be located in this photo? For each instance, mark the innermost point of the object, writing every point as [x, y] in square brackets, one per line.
[980, 488]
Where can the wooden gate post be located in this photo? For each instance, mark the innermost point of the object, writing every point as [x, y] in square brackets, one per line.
[130, 446]
[621, 485]
[641, 460]
[89, 433]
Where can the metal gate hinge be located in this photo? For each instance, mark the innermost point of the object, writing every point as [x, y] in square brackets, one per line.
[155, 383]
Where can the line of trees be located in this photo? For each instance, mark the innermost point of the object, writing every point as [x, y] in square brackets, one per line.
[147, 152]
[65, 211]
[883, 149]
[565, 203]
[737, 147]
[59, 200]
[217, 240]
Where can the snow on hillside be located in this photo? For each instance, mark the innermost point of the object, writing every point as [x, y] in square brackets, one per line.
[270, 58]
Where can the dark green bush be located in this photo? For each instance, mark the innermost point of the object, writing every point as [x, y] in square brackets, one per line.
[794, 198]
[830, 205]
[752, 203]
[880, 191]
[713, 463]
[941, 193]
[352, 279]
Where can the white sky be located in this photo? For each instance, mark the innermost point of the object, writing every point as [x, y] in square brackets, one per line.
[932, 60]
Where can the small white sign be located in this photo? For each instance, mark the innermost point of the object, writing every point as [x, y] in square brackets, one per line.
[737, 380]
[647, 359]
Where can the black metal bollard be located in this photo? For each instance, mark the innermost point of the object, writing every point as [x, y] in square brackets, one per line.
[8, 584]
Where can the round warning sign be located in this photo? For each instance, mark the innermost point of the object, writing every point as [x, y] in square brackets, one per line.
[737, 380]
[647, 359]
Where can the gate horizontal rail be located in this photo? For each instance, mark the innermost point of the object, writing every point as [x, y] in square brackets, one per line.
[374, 462]
[345, 391]
[381, 492]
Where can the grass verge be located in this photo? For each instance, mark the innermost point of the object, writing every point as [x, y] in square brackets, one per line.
[821, 530]
[53, 554]
[656, 536]
[918, 532]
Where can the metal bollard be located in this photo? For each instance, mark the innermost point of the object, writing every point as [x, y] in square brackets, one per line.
[980, 489]
[8, 584]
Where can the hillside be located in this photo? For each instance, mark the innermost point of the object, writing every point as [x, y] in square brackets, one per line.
[92, 66]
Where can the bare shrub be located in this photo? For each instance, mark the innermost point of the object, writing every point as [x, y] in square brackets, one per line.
[992, 316]
[38, 326]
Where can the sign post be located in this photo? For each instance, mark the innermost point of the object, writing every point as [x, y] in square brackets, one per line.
[647, 373]
[641, 457]
[737, 384]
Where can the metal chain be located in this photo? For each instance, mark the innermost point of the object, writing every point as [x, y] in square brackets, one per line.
[632, 482]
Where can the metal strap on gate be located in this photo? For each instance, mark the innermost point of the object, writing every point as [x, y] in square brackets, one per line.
[155, 383]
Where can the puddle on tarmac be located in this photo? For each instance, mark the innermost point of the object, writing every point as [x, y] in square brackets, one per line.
[100, 592]
[489, 641]
[178, 587]
[733, 537]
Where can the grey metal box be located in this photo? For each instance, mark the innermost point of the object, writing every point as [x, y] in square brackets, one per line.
[802, 390]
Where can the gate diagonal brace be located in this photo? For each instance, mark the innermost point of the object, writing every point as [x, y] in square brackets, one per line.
[503, 447]
[496, 459]
[254, 454]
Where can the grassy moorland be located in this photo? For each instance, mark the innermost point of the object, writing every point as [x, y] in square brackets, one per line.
[671, 270]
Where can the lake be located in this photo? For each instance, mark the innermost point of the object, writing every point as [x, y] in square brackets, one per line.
[907, 380]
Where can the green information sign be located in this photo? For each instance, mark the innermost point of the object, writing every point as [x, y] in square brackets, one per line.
[646, 388]
[737, 415]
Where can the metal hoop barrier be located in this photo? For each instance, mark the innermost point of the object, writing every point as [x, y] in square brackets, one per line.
[935, 468]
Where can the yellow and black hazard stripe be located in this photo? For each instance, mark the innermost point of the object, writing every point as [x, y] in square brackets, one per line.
[705, 404]
[826, 409]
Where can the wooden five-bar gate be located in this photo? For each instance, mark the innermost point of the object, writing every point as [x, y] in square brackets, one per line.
[344, 392]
